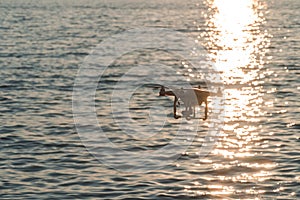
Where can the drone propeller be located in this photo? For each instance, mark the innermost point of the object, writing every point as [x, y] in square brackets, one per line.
[155, 86]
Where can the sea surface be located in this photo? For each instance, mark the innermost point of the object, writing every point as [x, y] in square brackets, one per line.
[51, 148]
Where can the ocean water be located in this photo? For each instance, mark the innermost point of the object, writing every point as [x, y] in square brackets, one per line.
[252, 137]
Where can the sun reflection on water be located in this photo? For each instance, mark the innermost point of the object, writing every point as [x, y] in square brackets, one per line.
[237, 44]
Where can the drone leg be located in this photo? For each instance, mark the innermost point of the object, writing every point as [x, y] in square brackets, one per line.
[206, 110]
[194, 111]
[174, 107]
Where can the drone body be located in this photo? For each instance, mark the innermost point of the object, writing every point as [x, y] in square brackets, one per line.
[191, 98]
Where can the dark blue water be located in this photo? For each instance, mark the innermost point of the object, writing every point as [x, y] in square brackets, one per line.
[254, 46]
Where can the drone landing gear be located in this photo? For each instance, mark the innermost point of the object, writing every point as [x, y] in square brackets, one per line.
[189, 112]
[177, 116]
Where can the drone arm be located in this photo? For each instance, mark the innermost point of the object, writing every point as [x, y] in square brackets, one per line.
[163, 92]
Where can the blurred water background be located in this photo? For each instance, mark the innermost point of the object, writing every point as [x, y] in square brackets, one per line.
[254, 45]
